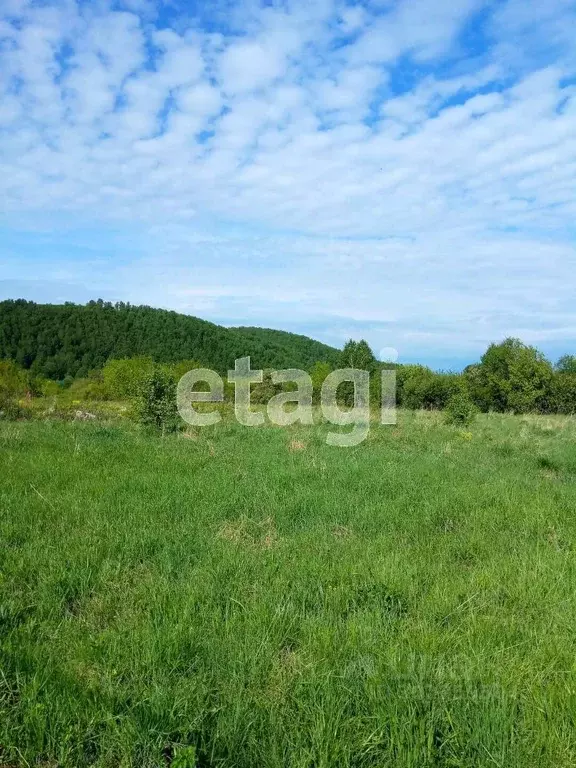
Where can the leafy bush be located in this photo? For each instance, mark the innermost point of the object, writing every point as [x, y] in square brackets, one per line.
[460, 410]
[262, 393]
[564, 393]
[156, 406]
[46, 387]
[13, 384]
[183, 366]
[511, 377]
[10, 408]
[92, 388]
[13, 380]
[420, 387]
[125, 378]
[566, 364]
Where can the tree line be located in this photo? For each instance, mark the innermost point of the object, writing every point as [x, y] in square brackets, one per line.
[102, 351]
[510, 377]
[60, 341]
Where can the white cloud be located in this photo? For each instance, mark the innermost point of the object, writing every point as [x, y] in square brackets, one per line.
[246, 66]
[352, 18]
[416, 178]
[351, 89]
[425, 29]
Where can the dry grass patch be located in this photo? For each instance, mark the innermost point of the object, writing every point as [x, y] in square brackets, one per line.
[246, 532]
[342, 532]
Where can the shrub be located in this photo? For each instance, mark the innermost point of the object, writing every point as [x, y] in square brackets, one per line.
[261, 393]
[564, 393]
[511, 377]
[566, 364]
[124, 378]
[46, 387]
[460, 410]
[90, 389]
[420, 387]
[156, 406]
[182, 367]
[13, 384]
[10, 408]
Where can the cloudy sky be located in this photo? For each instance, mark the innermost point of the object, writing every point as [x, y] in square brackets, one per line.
[399, 170]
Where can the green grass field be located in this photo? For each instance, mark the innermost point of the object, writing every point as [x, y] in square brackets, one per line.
[256, 598]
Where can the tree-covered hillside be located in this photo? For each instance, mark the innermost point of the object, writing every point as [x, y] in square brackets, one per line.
[307, 350]
[59, 340]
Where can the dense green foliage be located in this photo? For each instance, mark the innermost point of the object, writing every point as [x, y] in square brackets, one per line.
[512, 377]
[318, 374]
[103, 351]
[420, 387]
[357, 354]
[124, 378]
[12, 380]
[56, 341]
[563, 399]
[292, 345]
[13, 384]
[157, 401]
[566, 364]
[460, 410]
[255, 598]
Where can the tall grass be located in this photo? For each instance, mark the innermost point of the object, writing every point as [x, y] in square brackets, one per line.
[273, 601]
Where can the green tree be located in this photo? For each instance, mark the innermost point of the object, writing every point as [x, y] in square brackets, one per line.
[357, 354]
[156, 405]
[564, 393]
[566, 364]
[512, 376]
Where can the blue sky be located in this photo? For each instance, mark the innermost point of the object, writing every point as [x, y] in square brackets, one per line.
[399, 170]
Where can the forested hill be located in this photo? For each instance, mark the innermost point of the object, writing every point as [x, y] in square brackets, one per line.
[292, 345]
[58, 340]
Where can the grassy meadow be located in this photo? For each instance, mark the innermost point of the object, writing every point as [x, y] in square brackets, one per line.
[255, 598]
